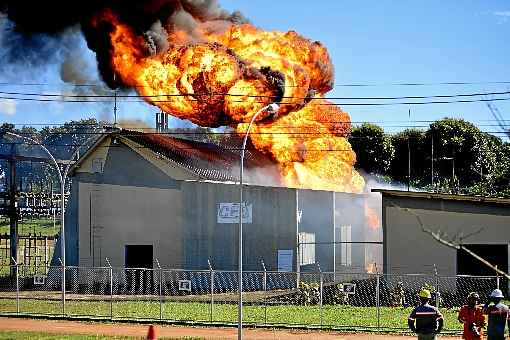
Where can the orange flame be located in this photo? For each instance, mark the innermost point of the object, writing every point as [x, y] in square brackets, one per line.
[371, 268]
[372, 218]
[226, 77]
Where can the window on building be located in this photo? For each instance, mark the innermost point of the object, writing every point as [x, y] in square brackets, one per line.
[306, 248]
[97, 165]
[345, 248]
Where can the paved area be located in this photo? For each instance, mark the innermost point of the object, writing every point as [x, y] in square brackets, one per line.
[140, 331]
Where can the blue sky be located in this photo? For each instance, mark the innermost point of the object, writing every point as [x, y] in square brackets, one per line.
[370, 42]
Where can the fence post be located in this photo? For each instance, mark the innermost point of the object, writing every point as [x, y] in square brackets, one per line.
[160, 290]
[497, 277]
[378, 297]
[36, 250]
[211, 278]
[438, 294]
[321, 291]
[63, 287]
[110, 272]
[17, 284]
[264, 287]
[46, 255]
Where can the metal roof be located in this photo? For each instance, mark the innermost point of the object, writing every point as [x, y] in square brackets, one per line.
[208, 161]
[435, 195]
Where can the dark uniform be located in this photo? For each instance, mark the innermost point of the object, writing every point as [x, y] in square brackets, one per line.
[498, 318]
[426, 321]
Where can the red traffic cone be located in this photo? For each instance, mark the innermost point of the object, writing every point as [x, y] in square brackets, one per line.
[151, 335]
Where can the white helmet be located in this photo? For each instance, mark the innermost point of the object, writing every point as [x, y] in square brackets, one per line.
[497, 293]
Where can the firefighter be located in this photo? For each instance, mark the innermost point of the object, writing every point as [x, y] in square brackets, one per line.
[498, 316]
[471, 315]
[398, 295]
[425, 320]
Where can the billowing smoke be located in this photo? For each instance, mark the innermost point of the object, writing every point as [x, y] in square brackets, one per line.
[134, 124]
[33, 33]
[195, 61]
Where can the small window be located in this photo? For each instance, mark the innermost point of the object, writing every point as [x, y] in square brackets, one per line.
[97, 165]
[307, 248]
[345, 246]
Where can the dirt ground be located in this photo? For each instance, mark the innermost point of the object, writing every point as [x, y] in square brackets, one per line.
[138, 330]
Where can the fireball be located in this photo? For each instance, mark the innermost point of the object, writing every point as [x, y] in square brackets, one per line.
[223, 77]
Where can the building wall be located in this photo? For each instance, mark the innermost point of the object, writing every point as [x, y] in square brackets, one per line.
[132, 200]
[113, 216]
[317, 218]
[273, 226]
[128, 201]
[408, 249]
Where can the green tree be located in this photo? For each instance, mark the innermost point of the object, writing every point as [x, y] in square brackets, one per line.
[413, 140]
[198, 133]
[496, 179]
[7, 127]
[63, 140]
[463, 152]
[374, 151]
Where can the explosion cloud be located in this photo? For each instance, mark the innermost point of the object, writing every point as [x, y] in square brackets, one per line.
[198, 62]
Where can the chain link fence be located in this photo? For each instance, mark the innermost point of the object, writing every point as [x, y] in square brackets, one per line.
[307, 299]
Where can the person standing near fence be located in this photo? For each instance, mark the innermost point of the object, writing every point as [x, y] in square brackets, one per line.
[425, 320]
[498, 316]
[471, 315]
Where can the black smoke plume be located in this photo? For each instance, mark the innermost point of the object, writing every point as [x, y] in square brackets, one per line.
[36, 29]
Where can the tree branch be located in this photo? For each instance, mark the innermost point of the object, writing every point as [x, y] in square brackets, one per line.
[437, 236]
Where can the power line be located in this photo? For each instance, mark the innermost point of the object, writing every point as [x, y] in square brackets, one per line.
[333, 121]
[274, 127]
[176, 149]
[291, 135]
[300, 130]
[354, 84]
[310, 104]
[52, 95]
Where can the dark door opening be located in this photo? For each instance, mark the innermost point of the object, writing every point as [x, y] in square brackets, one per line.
[138, 256]
[138, 262]
[496, 254]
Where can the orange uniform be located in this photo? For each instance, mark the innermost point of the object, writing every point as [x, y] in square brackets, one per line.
[469, 316]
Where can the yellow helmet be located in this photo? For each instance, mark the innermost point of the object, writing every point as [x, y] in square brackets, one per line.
[425, 293]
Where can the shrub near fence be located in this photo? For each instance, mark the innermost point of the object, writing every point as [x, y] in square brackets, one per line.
[378, 302]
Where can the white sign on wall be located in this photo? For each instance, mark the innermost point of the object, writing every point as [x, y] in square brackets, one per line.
[229, 213]
[39, 279]
[285, 260]
[185, 285]
[349, 288]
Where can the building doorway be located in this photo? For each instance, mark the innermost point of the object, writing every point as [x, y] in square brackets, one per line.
[138, 262]
[496, 254]
[138, 256]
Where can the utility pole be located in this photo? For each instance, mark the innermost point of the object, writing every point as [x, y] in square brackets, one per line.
[13, 213]
[115, 109]
[432, 162]
[409, 156]
[453, 175]
[334, 237]
[114, 104]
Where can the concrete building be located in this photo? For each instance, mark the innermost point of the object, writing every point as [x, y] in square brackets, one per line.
[483, 223]
[137, 197]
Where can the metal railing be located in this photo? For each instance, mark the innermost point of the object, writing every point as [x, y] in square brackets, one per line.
[306, 299]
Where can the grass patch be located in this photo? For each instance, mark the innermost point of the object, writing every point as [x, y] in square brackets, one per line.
[43, 226]
[55, 336]
[332, 316]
